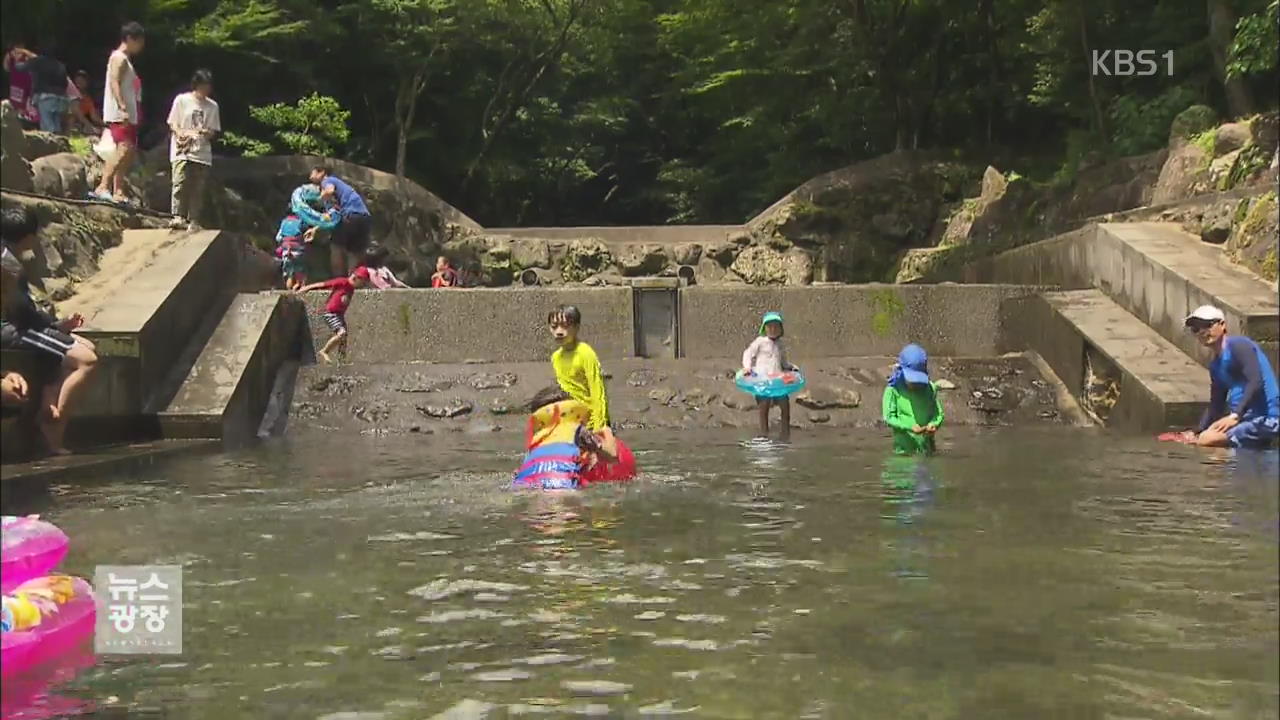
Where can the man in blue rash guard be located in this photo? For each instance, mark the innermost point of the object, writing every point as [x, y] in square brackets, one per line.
[1244, 398]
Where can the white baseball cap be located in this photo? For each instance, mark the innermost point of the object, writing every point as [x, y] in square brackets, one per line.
[1207, 313]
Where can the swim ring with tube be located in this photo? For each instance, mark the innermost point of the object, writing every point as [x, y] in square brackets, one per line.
[29, 548]
[42, 619]
[770, 386]
[300, 203]
[553, 460]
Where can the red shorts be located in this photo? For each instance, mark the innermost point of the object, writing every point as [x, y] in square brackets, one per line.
[123, 133]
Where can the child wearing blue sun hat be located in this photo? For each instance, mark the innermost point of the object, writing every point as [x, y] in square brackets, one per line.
[912, 407]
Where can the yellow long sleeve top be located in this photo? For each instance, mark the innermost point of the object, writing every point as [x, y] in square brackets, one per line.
[578, 374]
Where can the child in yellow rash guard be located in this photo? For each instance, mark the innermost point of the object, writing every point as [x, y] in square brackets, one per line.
[577, 366]
[911, 403]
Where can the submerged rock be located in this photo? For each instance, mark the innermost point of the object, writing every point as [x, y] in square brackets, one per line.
[444, 588]
[453, 409]
[492, 381]
[595, 688]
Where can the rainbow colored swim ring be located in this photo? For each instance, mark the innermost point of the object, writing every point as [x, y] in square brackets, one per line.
[770, 386]
[300, 203]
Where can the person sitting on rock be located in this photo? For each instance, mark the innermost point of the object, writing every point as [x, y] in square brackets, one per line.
[84, 111]
[445, 276]
[912, 406]
[375, 258]
[1244, 398]
[27, 327]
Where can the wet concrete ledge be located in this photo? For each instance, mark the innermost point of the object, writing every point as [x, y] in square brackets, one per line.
[230, 384]
[1159, 387]
[17, 477]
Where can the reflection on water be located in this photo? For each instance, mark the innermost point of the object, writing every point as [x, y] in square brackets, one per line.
[1015, 575]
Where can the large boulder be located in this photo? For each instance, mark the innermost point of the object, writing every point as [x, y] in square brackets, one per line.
[60, 175]
[40, 144]
[854, 222]
[530, 253]
[763, 265]
[15, 171]
[1254, 238]
[642, 259]
[584, 258]
[687, 253]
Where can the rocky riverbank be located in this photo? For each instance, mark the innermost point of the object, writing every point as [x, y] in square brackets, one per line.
[644, 394]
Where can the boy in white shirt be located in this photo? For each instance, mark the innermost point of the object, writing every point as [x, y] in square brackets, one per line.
[193, 122]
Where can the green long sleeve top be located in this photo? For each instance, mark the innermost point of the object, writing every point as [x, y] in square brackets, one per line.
[905, 408]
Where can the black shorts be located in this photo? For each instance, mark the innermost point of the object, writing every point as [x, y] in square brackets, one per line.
[51, 343]
[352, 234]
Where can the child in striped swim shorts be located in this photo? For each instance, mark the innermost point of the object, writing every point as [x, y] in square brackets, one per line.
[342, 289]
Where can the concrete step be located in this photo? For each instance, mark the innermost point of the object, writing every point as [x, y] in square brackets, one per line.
[1160, 273]
[1080, 333]
[147, 301]
[231, 382]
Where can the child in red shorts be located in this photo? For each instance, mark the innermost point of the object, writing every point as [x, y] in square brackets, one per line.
[342, 289]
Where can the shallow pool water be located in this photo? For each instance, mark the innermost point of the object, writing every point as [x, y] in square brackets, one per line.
[1020, 574]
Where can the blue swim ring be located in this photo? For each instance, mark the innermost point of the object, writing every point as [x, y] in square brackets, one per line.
[300, 203]
[773, 386]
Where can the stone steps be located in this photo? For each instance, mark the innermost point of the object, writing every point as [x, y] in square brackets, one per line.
[1084, 332]
[145, 306]
[231, 383]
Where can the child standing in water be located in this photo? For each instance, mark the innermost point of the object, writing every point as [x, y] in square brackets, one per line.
[765, 356]
[342, 289]
[912, 406]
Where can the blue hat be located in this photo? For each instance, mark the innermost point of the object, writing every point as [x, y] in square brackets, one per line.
[914, 363]
[768, 318]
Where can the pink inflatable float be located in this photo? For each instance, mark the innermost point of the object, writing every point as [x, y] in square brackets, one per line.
[43, 619]
[29, 548]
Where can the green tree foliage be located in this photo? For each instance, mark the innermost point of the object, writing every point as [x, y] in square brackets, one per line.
[642, 111]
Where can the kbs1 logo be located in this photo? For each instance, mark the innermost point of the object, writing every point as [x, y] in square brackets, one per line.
[1131, 63]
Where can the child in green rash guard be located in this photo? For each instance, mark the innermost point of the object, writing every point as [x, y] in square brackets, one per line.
[911, 403]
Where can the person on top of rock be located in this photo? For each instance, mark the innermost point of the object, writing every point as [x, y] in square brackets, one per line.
[20, 82]
[342, 289]
[84, 111]
[121, 110]
[351, 237]
[766, 357]
[48, 85]
[375, 258]
[445, 276]
[25, 326]
[912, 406]
[193, 122]
[1244, 398]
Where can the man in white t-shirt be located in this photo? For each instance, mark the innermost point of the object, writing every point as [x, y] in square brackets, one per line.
[120, 112]
[193, 121]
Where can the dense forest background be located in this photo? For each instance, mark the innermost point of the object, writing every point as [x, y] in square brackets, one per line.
[566, 112]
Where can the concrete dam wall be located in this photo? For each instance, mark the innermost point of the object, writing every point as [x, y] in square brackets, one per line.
[509, 325]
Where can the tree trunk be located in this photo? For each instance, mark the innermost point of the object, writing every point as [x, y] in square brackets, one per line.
[1099, 120]
[411, 87]
[1222, 27]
